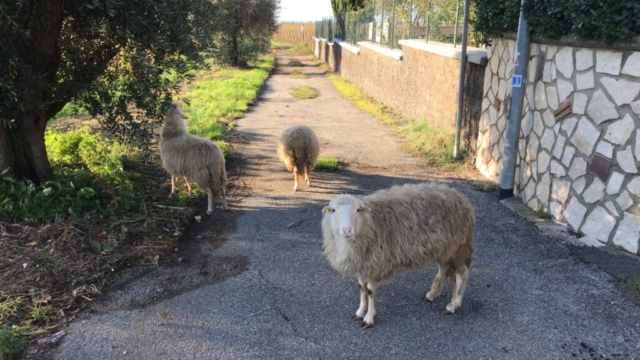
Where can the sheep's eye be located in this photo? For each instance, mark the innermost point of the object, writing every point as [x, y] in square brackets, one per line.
[359, 209]
[333, 210]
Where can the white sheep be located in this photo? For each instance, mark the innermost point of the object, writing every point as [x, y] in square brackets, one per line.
[298, 148]
[192, 157]
[400, 229]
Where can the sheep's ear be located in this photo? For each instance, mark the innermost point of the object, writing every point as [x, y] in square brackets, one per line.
[326, 209]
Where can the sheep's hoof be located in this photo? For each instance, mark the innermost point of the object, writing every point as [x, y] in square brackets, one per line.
[426, 298]
[448, 311]
[209, 212]
[366, 325]
[356, 317]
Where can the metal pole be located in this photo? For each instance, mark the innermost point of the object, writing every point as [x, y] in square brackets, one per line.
[392, 23]
[455, 28]
[463, 70]
[426, 37]
[410, 19]
[518, 86]
[373, 26]
[382, 25]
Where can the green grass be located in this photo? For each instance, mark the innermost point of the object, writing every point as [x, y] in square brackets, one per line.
[631, 282]
[294, 63]
[304, 48]
[328, 164]
[11, 344]
[221, 95]
[304, 92]
[433, 145]
[299, 75]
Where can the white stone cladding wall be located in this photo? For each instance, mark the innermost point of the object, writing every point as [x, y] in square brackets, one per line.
[560, 163]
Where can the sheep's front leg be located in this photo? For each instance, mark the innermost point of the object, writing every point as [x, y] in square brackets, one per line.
[173, 185]
[371, 312]
[362, 309]
[307, 178]
[209, 202]
[224, 200]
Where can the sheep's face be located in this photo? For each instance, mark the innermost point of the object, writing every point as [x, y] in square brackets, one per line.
[345, 215]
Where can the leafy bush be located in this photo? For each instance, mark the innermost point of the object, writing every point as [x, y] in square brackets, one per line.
[90, 181]
[604, 20]
[10, 344]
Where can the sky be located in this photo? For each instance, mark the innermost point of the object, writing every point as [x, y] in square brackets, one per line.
[304, 10]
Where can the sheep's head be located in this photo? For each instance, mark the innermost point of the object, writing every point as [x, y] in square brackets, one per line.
[345, 215]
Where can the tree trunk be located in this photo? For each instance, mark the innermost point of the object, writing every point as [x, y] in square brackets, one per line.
[22, 149]
[235, 52]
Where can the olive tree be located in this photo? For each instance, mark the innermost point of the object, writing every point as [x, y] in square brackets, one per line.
[109, 55]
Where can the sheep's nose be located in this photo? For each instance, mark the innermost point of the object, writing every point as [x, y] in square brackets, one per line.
[347, 231]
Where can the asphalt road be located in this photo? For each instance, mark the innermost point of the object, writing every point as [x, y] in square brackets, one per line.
[265, 290]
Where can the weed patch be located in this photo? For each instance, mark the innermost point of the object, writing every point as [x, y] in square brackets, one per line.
[631, 282]
[299, 75]
[328, 164]
[304, 92]
[294, 63]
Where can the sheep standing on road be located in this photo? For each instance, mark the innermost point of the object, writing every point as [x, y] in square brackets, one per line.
[400, 229]
[298, 148]
[192, 157]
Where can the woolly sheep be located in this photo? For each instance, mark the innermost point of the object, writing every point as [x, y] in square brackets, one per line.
[400, 229]
[192, 157]
[298, 148]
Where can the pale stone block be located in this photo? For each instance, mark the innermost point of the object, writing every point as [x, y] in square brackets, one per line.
[540, 96]
[560, 191]
[594, 192]
[487, 80]
[543, 189]
[508, 72]
[564, 61]
[605, 149]
[637, 149]
[495, 135]
[534, 174]
[585, 137]
[551, 51]
[538, 125]
[568, 155]
[543, 47]
[527, 124]
[533, 203]
[559, 146]
[615, 183]
[634, 186]
[578, 185]
[552, 97]
[579, 103]
[554, 72]
[532, 149]
[548, 139]
[483, 124]
[608, 62]
[495, 61]
[530, 97]
[620, 131]
[585, 81]
[549, 119]
[600, 109]
[530, 190]
[612, 208]
[632, 65]
[599, 224]
[584, 59]
[565, 88]
[569, 124]
[543, 161]
[502, 90]
[579, 168]
[493, 115]
[624, 200]
[574, 213]
[495, 82]
[635, 106]
[557, 169]
[546, 72]
[531, 69]
[622, 91]
[556, 128]
[502, 123]
[485, 104]
[535, 49]
[626, 160]
[495, 153]
[501, 69]
[555, 210]
[628, 233]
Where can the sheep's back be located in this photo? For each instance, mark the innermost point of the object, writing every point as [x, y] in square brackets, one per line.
[196, 158]
[298, 146]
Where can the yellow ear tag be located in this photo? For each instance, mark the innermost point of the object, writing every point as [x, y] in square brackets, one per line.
[326, 209]
[365, 209]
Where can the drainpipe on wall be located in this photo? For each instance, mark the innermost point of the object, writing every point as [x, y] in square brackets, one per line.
[518, 86]
[463, 68]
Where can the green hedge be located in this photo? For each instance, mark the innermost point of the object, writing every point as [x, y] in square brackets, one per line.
[603, 20]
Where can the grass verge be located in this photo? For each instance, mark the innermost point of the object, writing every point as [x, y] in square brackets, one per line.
[433, 145]
[299, 75]
[297, 48]
[304, 92]
[105, 210]
[328, 164]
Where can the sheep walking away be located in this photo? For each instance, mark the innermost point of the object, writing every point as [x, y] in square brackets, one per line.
[193, 158]
[298, 149]
[400, 229]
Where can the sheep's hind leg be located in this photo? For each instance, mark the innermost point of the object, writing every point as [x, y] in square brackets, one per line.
[307, 177]
[224, 199]
[173, 185]
[295, 178]
[188, 185]
[362, 309]
[438, 282]
[458, 290]
[367, 322]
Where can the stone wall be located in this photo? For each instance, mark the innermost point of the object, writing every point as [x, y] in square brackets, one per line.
[579, 147]
[419, 84]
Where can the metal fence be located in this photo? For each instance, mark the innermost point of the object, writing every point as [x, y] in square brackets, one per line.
[386, 21]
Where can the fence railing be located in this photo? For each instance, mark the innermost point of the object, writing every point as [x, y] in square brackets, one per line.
[385, 22]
